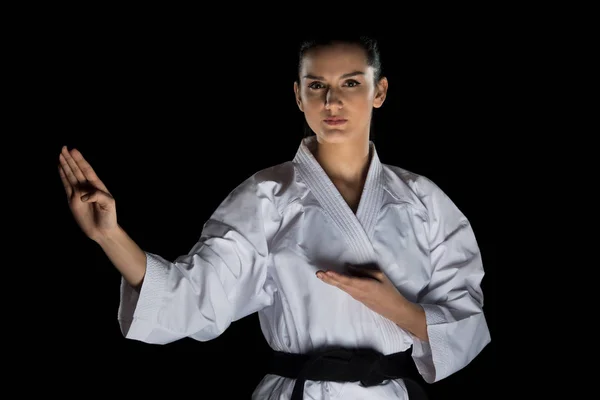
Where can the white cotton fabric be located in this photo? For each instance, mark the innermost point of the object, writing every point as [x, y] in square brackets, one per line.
[260, 250]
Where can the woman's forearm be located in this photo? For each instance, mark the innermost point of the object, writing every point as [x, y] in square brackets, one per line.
[125, 255]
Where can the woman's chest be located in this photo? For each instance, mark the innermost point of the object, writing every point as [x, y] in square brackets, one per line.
[312, 240]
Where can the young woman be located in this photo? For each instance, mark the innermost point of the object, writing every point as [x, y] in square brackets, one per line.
[358, 269]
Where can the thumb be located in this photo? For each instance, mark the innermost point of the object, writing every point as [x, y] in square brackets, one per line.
[365, 271]
[97, 196]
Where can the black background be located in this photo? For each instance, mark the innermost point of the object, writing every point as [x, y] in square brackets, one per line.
[173, 113]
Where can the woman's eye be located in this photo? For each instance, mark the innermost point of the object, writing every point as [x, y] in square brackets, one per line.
[315, 85]
[352, 83]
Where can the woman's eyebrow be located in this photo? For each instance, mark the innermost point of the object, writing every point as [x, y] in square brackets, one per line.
[320, 78]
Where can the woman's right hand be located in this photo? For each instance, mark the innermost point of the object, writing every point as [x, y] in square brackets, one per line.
[90, 201]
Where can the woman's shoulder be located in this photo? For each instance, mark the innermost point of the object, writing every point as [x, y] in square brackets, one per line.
[413, 187]
[276, 184]
[283, 174]
[406, 184]
[429, 195]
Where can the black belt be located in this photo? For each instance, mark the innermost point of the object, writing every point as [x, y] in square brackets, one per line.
[347, 365]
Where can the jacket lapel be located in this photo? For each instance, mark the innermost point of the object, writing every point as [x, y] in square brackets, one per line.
[357, 228]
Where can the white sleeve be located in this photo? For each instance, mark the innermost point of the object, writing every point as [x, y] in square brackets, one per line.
[453, 300]
[223, 277]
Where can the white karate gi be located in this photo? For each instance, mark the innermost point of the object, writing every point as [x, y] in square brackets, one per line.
[260, 250]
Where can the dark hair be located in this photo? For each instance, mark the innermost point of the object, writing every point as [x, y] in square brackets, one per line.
[367, 43]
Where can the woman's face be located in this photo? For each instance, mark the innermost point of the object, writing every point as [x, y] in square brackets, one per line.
[337, 93]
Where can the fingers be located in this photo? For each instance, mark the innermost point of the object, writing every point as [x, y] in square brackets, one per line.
[65, 181]
[87, 170]
[341, 281]
[66, 169]
[75, 170]
[78, 173]
[355, 287]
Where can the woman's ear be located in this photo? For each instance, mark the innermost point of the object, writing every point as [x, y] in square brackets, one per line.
[297, 94]
[380, 92]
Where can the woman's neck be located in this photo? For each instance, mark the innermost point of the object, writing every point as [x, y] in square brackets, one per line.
[347, 163]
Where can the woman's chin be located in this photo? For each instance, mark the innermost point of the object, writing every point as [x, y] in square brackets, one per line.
[334, 136]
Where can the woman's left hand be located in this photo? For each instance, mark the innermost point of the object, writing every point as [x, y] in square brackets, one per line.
[369, 285]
